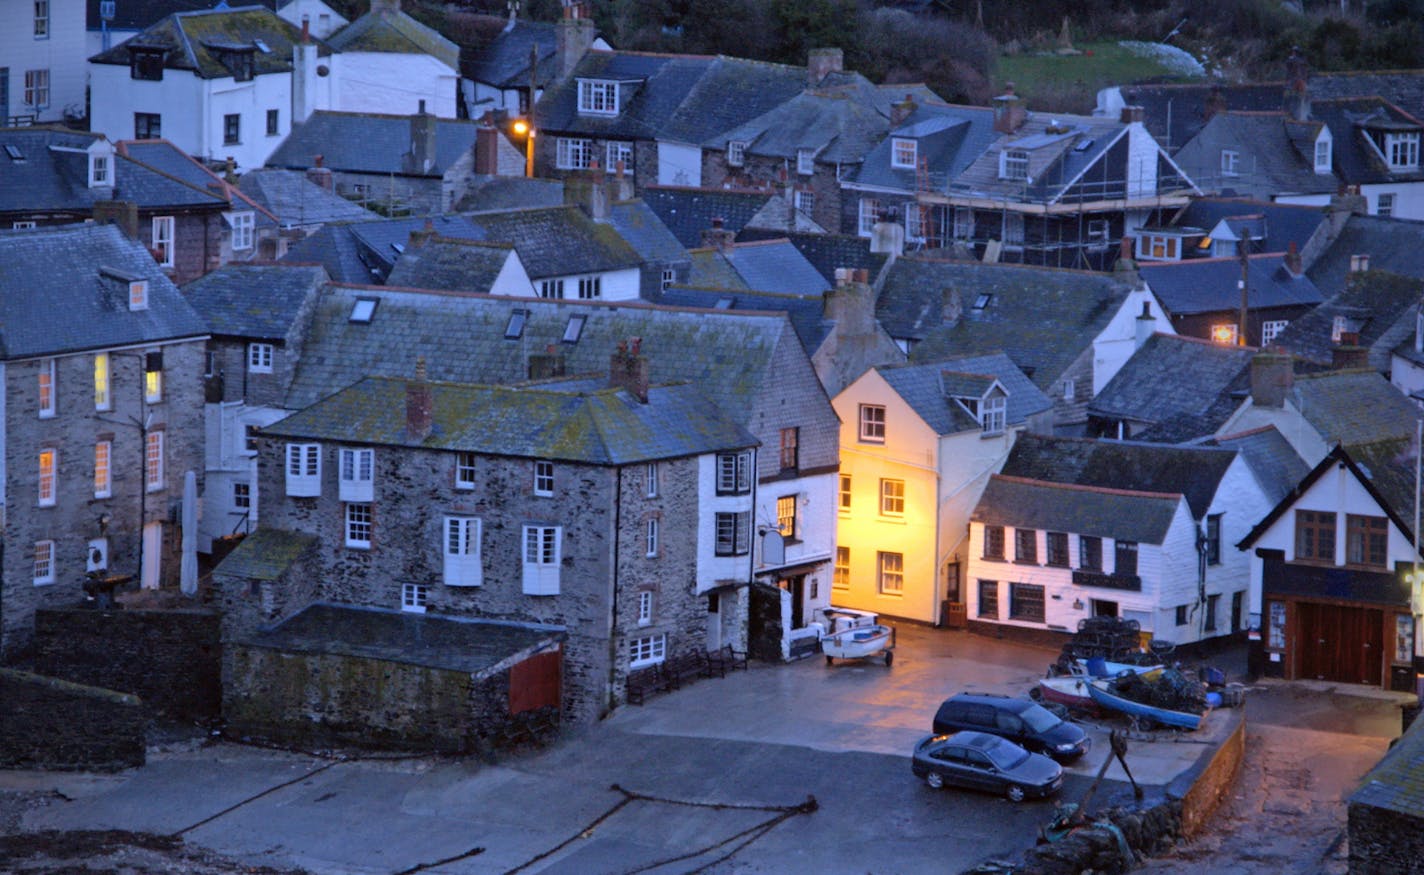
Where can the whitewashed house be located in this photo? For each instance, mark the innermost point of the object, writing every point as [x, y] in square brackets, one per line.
[42, 53]
[391, 63]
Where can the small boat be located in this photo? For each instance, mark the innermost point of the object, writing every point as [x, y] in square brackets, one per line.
[1070, 691]
[1104, 694]
[860, 642]
[1102, 668]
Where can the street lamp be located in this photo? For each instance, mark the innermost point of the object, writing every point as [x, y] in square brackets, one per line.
[526, 130]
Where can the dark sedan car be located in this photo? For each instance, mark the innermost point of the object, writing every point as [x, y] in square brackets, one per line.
[981, 761]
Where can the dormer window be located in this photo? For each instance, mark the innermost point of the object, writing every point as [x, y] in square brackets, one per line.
[146, 64]
[1013, 164]
[99, 171]
[1323, 149]
[598, 97]
[138, 295]
[994, 414]
[1402, 150]
[1230, 162]
[736, 153]
[903, 153]
[1337, 329]
[238, 62]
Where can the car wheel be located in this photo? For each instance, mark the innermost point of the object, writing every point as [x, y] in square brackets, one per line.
[934, 779]
[1015, 793]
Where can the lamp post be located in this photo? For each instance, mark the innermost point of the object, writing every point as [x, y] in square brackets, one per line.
[526, 129]
[152, 365]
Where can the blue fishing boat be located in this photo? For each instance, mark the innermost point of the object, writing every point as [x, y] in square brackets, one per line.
[1105, 695]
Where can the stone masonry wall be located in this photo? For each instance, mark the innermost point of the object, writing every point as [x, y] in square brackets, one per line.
[48, 723]
[169, 658]
[1384, 842]
[766, 172]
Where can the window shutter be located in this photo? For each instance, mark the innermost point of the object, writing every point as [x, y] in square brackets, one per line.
[461, 544]
[303, 470]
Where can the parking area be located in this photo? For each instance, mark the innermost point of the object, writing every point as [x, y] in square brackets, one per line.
[713, 777]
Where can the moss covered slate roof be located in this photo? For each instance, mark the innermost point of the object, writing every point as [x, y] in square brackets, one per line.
[608, 427]
[259, 301]
[191, 41]
[1149, 387]
[390, 30]
[1122, 515]
[466, 265]
[1353, 407]
[1377, 305]
[266, 554]
[1396, 783]
[462, 337]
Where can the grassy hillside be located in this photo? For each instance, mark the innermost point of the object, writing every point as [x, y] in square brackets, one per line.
[1068, 82]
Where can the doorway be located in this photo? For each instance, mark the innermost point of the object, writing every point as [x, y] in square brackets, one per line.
[797, 587]
[714, 622]
[1337, 643]
[1104, 608]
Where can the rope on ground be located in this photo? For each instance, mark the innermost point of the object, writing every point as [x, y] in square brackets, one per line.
[751, 834]
[421, 867]
[234, 807]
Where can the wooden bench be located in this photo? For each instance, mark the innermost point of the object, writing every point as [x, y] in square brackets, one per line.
[723, 660]
[643, 681]
[683, 668]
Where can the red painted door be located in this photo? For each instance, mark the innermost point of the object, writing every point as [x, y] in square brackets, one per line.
[536, 682]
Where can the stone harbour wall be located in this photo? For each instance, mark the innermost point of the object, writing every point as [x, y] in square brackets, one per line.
[1384, 842]
[170, 659]
[48, 723]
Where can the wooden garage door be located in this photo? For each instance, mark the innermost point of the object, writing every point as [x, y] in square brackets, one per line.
[1337, 643]
[535, 682]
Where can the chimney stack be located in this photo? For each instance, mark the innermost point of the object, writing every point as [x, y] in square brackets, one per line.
[587, 191]
[422, 141]
[422, 236]
[121, 213]
[902, 110]
[1293, 264]
[573, 38]
[888, 238]
[628, 369]
[821, 63]
[1349, 355]
[622, 182]
[486, 147]
[419, 405]
[320, 175]
[304, 76]
[1297, 93]
[1215, 103]
[1132, 113]
[851, 304]
[1272, 375]
[1009, 111]
[717, 237]
[1146, 324]
[951, 306]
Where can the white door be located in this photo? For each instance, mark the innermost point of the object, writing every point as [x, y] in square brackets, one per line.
[152, 553]
[714, 622]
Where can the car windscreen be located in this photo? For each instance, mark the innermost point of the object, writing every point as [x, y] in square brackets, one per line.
[1039, 719]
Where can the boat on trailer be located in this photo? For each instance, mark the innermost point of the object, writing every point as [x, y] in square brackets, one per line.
[1103, 693]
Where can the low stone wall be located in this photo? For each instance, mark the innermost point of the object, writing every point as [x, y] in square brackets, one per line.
[48, 723]
[1202, 787]
[324, 699]
[168, 658]
[1384, 842]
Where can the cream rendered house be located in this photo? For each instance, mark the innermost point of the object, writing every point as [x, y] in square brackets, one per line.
[917, 447]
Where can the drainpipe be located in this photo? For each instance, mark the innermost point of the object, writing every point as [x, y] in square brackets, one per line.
[613, 595]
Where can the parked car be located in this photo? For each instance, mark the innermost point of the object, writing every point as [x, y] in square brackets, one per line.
[981, 761]
[1021, 721]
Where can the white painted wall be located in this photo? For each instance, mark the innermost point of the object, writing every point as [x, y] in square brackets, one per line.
[1308, 200]
[61, 52]
[394, 84]
[1142, 154]
[615, 285]
[1300, 434]
[1118, 340]
[227, 461]
[815, 528]
[1408, 198]
[1406, 376]
[324, 20]
[679, 163]
[714, 570]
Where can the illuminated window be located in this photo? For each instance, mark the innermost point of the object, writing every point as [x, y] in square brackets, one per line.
[891, 573]
[840, 578]
[153, 461]
[902, 153]
[786, 516]
[103, 450]
[892, 497]
[153, 386]
[46, 388]
[845, 493]
[101, 381]
[1224, 333]
[49, 461]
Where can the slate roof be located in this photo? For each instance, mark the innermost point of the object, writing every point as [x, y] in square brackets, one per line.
[926, 389]
[191, 41]
[266, 554]
[1380, 307]
[1353, 407]
[380, 242]
[1193, 472]
[1209, 285]
[368, 143]
[484, 192]
[1355, 162]
[385, 29]
[462, 337]
[609, 427]
[679, 98]
[296, 201]
[804, 311]
[1271, 154]
[49, 271]
[1396, 782]
[1143, 517]
[1391, 244]
[457, 265]
[493, 50]
[257, 301]
[557, 241]
[636, 222]
[826, 252]
[948, 139]
[711, 269]
[775, 266]
[687, 212]
[46, 179]
[840, 124]
[1042, 317]
[336, 249]
[455, 644]
[1284, 223]
[1150, 387]
[166, 158]
[1275, 464]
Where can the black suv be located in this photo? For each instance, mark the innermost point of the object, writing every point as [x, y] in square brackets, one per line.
[1021, 721]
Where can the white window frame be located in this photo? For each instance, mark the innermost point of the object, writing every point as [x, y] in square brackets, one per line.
[1230, 162]
[963, 223]
[573, 153]
[1098, 230]
[867, 215]
[47, 486]
[551, 289]
[645, 607]
[1271, 328]
[647, 650]
[669, 277]
[890, 573]
[619, 150]
[1402, 150]
[414, 597]
[734, 475]
[904, 153]
[36, 94]
[1323, 154]
[652, 538]
[994, 414]
[465, 470]
[597, 97]
[163, 241]
[153, 462]
[259, 358]
[241, 495]
[41, 19]
[736, 153]
[651, 483]
[303, 467]
[805, 162]
[804, 201]
[103, 399]
[43, 570]
[48, 388]
[914, 224]
[732, 533]
[356, 474]
[1337, 328]
[22, 226]
[243, 227]
[1384, 204]
[872, 423]
[98, 171]
[892, 497]
[358, 519]
[543, 478]
[103, 469]
[460, 546]
[590, 288]
[541, 546]
[1013, 165]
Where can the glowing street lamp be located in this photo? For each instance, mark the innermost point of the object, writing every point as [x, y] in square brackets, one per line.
[526, 130]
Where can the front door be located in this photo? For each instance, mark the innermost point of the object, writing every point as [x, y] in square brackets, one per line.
[152, 554]
[714, 622]
[1236, 604]
[797, 587]
[1335, 643]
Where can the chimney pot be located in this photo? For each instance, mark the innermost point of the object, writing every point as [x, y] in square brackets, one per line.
[1292, 261]
[628, 369]
[419, 404]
